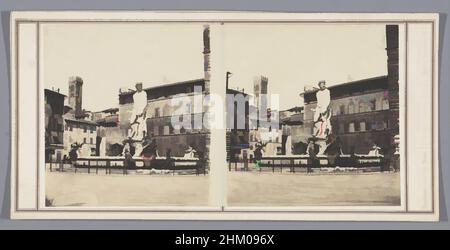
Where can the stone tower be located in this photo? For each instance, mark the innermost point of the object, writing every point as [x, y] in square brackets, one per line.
[260, 91]
[392, 69]
[207, 79]
[76, 94]
[206, 58]
[393, 87]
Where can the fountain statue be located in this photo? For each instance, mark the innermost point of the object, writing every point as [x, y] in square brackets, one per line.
[75, 149]
[138, 127]
[139, 114]
[322, 116]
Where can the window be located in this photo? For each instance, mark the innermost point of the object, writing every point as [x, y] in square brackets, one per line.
[91, 140]
[372, 105]
[356, 126]
[166, 130]
[362, 107]
[335, 111]
[84, 140]
[188, 108]
[351, 107]
[157, 112]
[378, 104]
[84, 129]
[385, 104]
[378, 125]
[351, 127]
[373, 126]
[341, 128]
[55, 139]
[362, 126]
[342, 110]
[356, 107]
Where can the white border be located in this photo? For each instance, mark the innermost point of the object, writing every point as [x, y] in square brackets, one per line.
[209, 213]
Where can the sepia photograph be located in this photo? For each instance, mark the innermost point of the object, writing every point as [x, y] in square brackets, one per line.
[313, 114]
[122, 103]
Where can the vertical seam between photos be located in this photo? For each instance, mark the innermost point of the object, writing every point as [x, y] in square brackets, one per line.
[406, 116]
[37, 114]
[432, 116]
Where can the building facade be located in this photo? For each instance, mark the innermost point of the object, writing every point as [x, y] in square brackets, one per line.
[360, 114]
[80, 131]
[237, 133]
[163, 102]
[294, 136]
[54, 125]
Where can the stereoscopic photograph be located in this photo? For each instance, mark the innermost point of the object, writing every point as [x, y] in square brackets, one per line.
[312, 114]
[224, 115]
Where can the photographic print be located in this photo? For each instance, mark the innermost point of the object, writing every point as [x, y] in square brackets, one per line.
[224, 116]
[320, 114]
[112, 92]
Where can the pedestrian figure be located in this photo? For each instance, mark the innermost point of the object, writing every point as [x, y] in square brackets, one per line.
[312, 156]
[64, 161]
[168, 153]
[334, 150]
[259, 148]
[149, 149]
[128, 161]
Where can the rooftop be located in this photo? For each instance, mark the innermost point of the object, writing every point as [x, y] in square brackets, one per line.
[52, 92]
[294, 109]
[110, 110]
[236, 91]
[295, 119]
[80, 121]
[164, 90]
[350, 88]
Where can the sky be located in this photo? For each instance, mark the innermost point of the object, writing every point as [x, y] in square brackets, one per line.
[293, 56]
[109, 56]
